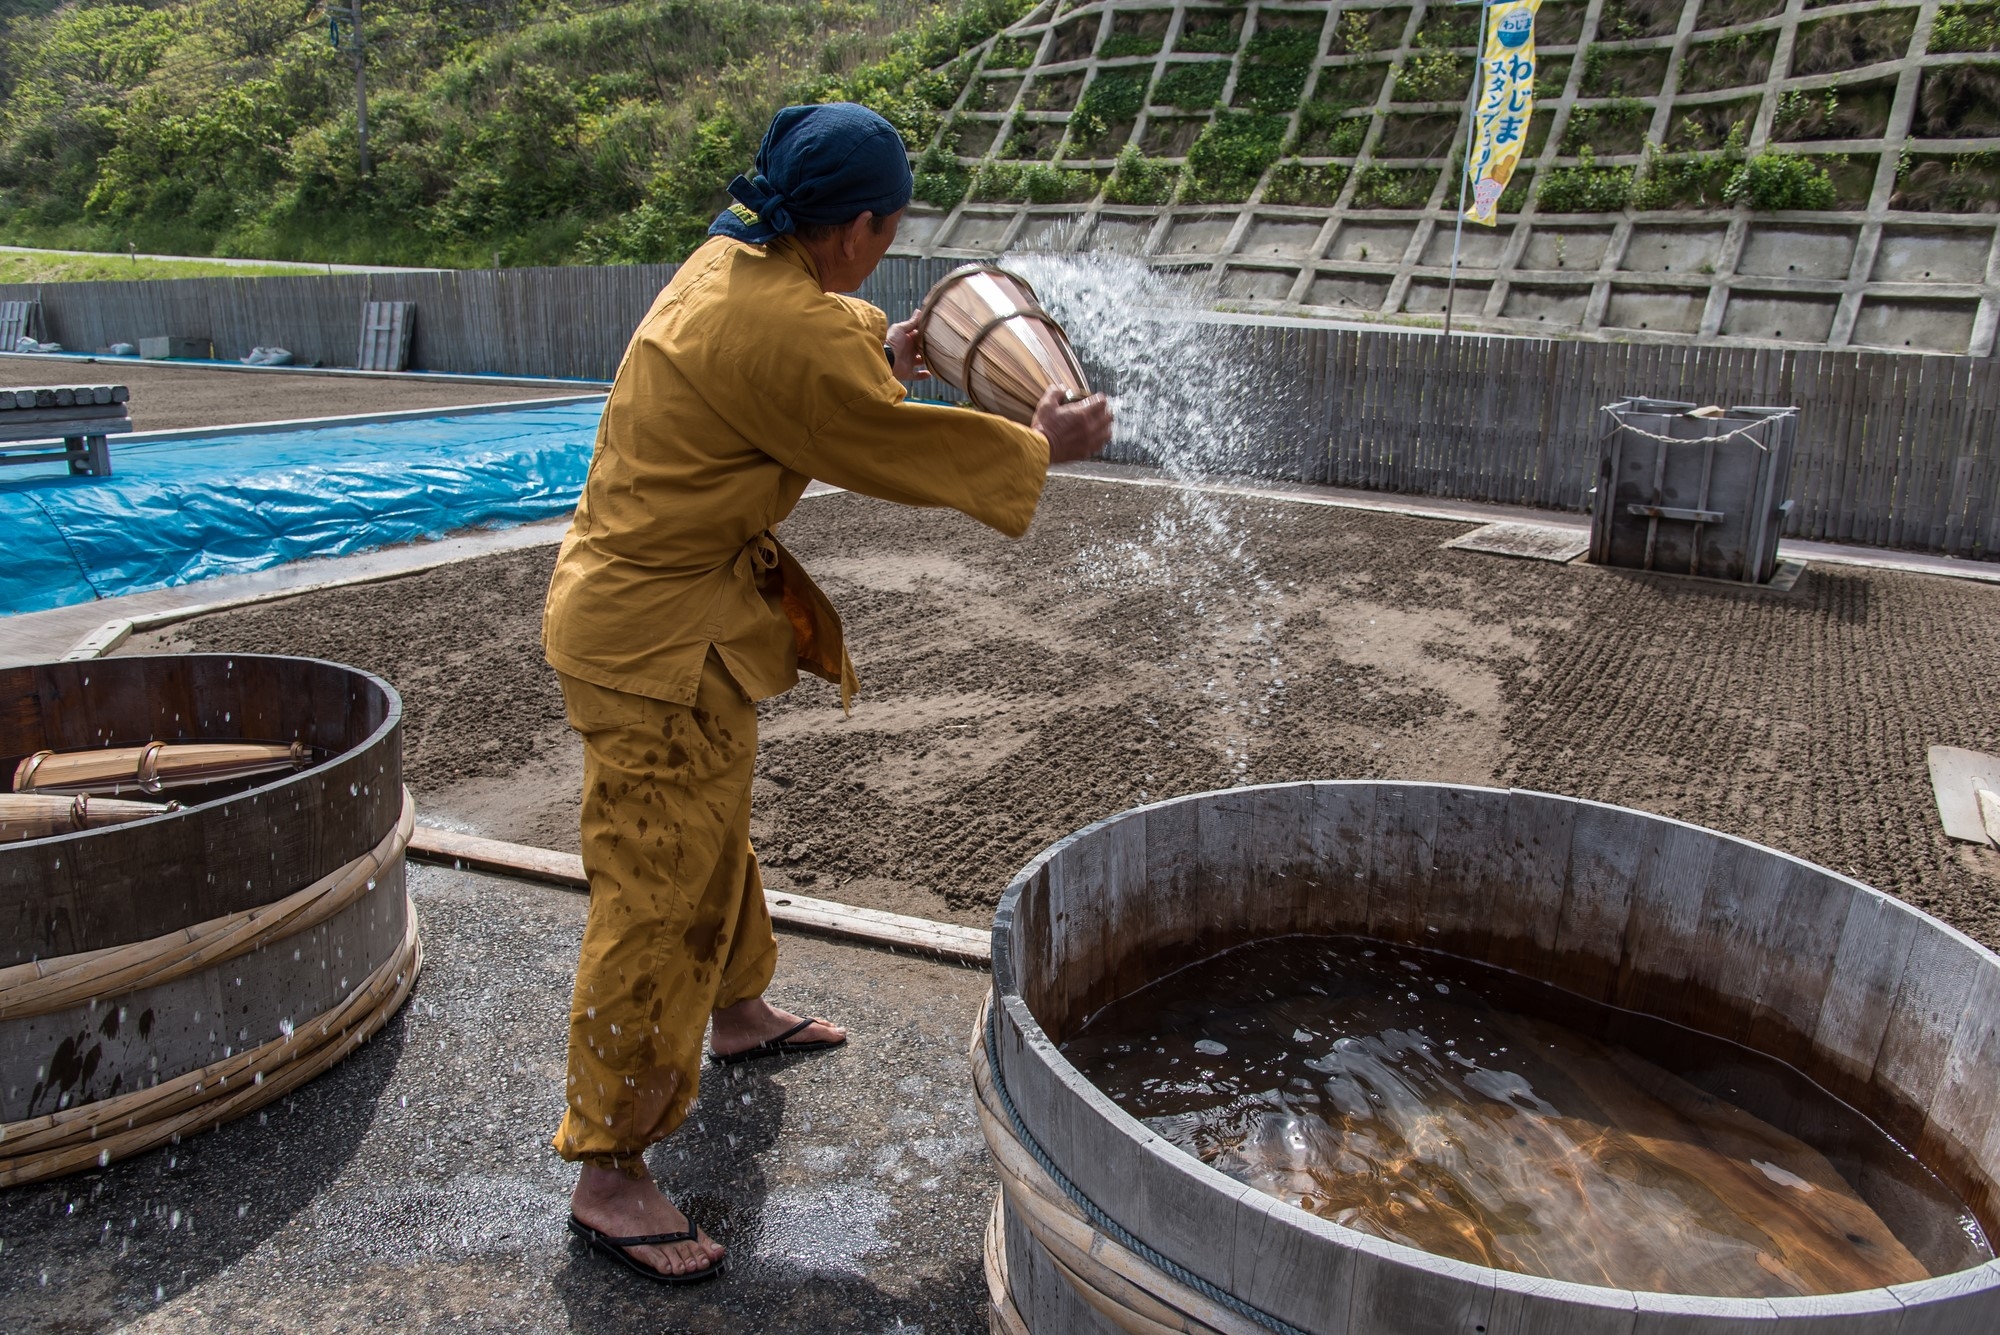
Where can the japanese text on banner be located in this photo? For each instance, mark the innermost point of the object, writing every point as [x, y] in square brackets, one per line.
[1506, 101]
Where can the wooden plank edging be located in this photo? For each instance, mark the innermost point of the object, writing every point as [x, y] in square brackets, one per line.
[824, 917]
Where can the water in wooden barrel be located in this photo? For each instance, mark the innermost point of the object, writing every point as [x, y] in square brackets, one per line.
[1476, 1115]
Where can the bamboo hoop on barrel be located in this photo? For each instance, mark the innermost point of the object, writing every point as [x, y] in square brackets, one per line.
[1002, 1317]
[100, 1131]
[128, 1124]
[43, 986]
[1117, 1284]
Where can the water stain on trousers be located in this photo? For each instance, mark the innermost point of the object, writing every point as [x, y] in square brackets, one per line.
[677, 926]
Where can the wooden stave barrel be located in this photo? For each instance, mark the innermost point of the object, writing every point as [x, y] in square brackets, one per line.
[962, 345]
[295, 995]
[1542, 884]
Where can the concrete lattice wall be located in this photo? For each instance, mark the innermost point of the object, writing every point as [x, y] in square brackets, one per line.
[1905, 260]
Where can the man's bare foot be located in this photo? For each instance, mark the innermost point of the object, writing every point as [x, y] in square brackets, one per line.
[743, 1026]
[622, 1207]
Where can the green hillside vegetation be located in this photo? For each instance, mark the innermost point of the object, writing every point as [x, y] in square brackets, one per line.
[40, 266]
[533, 131]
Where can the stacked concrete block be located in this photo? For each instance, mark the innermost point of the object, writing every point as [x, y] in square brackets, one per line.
[1623, 222]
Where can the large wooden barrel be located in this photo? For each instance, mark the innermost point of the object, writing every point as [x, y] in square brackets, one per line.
[161, 976]
[1103, 1226]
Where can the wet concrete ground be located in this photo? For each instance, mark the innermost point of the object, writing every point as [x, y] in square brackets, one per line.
[412, 1187]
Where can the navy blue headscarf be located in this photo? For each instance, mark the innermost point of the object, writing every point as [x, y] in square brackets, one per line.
[820, 164]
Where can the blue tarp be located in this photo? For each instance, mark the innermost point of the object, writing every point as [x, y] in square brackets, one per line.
[173, 513]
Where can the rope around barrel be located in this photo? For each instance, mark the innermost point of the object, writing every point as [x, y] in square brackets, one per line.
[62, 1142]
[1122, 1279]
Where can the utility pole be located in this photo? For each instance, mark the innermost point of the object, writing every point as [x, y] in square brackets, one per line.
[360, 86]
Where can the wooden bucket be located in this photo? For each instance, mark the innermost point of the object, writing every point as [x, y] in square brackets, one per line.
[985, 334]
[1889, 1009]
[164, 974]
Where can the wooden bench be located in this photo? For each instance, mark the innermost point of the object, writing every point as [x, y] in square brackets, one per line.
[68, 423]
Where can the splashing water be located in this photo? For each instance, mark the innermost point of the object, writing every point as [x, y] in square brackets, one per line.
[1190, 403]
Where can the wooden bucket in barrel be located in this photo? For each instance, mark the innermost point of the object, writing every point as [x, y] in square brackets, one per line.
[986, 335]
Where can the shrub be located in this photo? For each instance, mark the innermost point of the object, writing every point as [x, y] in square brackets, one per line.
[1291, 47]
[1271, 88]
[1044, 184]
[1551, 75]
[1392, 188]
[1696, 180]
[1326, 126]
[1780, 181]
[1585, 188]
[1345, 138]
[1350, 35]
[1013, 53]
[1130, 44]
[1207, 31]
[941, 178]
[1192, 87]
[1032, 139]
[1690, 180]
[1806, 115]
[1296, 183]
[1446, 26]
[1433, 74]
[1114, 95]
[1966, 28]
[1615, 119]
[1138, 179]
[1226, 163]
[1034, 183]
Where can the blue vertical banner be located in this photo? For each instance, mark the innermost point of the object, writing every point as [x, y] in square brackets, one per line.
[1506, 102]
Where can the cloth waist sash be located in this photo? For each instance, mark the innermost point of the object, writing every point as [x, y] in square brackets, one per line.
[816, 628]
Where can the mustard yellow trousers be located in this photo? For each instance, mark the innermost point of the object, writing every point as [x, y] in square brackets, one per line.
[677, 924]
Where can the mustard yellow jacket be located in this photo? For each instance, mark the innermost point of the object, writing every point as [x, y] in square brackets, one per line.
[744, 382]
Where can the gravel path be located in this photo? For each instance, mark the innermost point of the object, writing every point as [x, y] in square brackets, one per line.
[1139, 644]
[412, 1187]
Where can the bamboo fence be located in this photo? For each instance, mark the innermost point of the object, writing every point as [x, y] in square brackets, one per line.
[1895, 450]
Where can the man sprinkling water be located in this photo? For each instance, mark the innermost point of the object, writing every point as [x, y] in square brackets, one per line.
[673, 609]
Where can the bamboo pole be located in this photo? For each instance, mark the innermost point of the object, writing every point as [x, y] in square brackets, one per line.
[154, 766]
[37, 816]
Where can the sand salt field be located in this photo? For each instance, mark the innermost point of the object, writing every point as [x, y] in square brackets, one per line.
[1013, 692]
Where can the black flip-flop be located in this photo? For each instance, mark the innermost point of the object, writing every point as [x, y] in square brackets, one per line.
[778, 1047]
[615, 1248]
